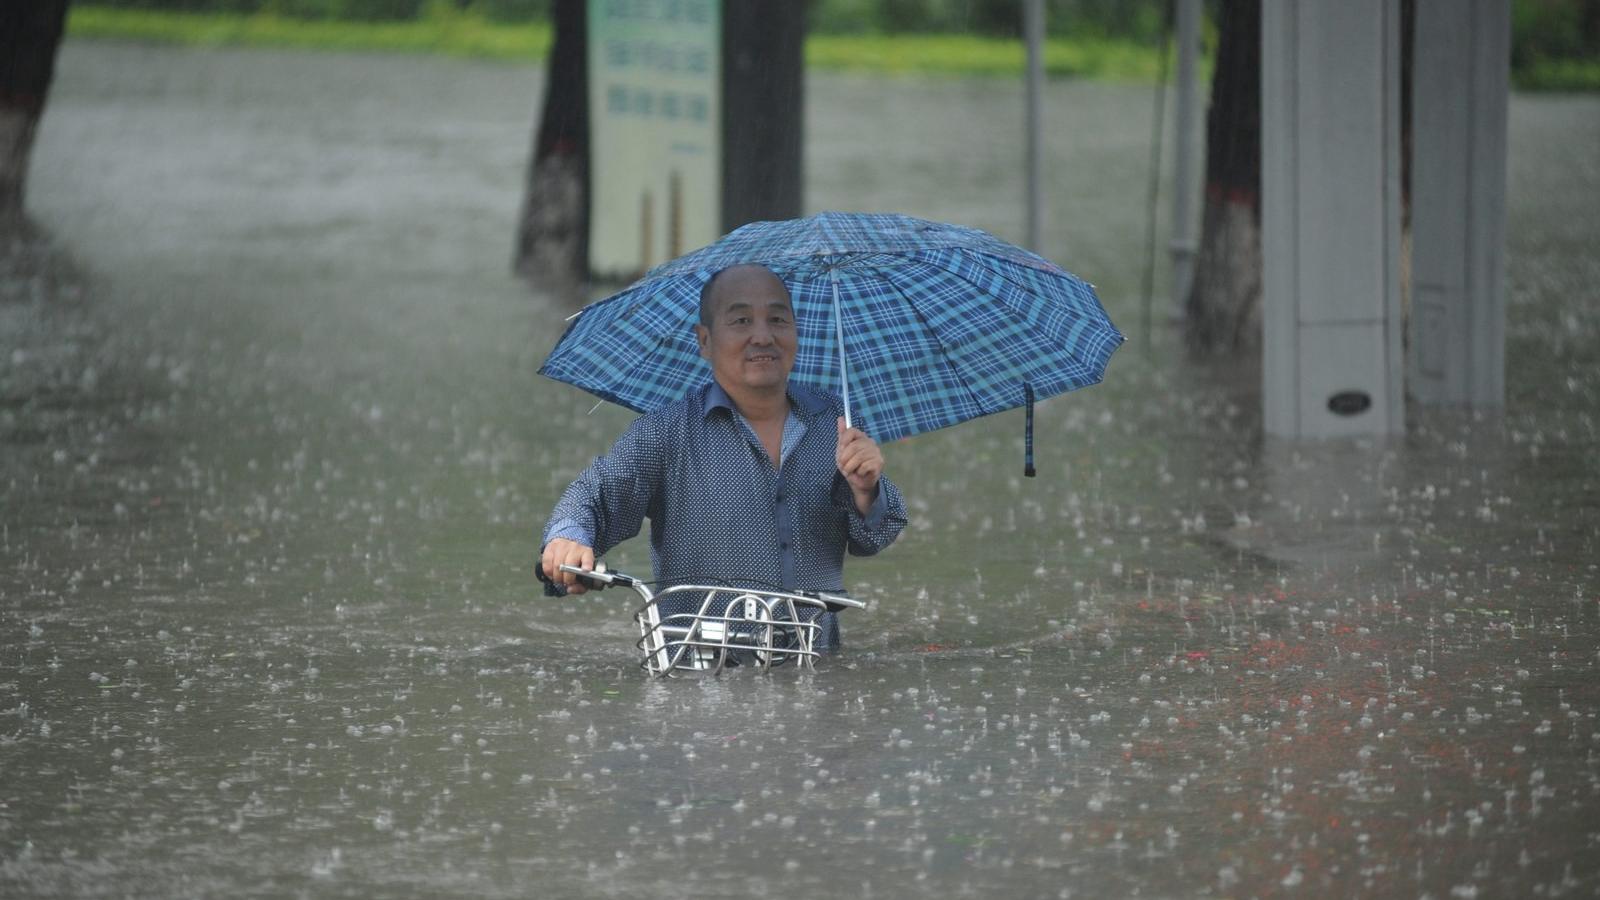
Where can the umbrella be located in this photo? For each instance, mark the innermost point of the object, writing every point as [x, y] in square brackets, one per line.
[917, 325]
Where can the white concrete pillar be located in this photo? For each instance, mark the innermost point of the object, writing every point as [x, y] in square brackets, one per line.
[1460, 83]
[1330, 218]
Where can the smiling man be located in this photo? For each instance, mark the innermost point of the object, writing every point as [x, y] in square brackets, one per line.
[749, 480]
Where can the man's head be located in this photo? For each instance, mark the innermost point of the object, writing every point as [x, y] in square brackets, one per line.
[747, 329]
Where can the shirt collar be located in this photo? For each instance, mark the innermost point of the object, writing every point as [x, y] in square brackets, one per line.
[803, 400]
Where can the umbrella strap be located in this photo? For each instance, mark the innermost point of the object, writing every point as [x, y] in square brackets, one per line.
[1027, 432]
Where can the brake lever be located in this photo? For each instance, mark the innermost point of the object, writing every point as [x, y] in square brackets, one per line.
[594, 579]
[598, 578]
[834, 602]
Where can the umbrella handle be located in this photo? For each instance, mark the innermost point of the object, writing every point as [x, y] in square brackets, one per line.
[844, 368]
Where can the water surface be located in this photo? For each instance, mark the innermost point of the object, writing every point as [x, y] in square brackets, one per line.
[275, 455]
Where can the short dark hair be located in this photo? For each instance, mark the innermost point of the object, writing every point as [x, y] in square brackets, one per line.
[707, 313]
[707, 308]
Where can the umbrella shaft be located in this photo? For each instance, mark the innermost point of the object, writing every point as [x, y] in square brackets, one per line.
[844, 370]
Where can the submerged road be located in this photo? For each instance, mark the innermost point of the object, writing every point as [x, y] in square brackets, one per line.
[273, 455]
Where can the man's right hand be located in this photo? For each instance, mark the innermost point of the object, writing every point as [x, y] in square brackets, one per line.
[564, 552]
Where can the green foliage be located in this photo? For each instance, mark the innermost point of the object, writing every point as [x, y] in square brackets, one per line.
[1560, 75]
[1545, 30]
[1121, 19]
[843, 17]
[445, 29]
[958, 54]
[514, 10]
[1555, 43]
[351, 10]
[1129, 19]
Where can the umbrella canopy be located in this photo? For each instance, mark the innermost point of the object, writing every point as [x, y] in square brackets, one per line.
[938, 323]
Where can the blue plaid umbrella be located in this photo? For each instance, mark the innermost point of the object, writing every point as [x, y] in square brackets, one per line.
[917, 325]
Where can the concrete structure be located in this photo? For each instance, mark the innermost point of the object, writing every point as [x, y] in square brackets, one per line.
[1332, 359]
[1330, 218]
[1460, 81]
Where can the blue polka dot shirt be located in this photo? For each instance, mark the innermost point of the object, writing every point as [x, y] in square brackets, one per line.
[720, 511]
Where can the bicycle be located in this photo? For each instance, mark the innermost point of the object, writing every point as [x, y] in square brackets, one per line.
[730, 625]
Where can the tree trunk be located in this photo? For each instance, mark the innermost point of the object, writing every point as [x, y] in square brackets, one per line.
[763, 102]
[1223, 315]
[552, 249]
[30, 32]
[1224, 306]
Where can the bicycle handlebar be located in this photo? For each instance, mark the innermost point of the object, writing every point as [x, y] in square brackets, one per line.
[599, 578]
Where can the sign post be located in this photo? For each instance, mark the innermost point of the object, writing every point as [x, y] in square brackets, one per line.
[655, 100]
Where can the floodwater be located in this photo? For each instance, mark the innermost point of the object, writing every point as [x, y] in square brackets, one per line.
[273, 455]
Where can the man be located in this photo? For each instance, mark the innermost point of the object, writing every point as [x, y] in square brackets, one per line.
[750, 480]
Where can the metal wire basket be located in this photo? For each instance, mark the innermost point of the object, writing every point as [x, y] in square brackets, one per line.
[703, 629]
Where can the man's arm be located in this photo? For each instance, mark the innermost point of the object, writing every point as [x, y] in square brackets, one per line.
[603, 507]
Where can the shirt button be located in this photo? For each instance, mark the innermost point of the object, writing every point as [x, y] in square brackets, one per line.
[779, 499]
[783, 545]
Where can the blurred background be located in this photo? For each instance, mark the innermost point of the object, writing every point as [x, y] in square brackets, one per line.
[1554, 41]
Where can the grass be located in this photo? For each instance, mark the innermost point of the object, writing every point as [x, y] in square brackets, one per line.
[452, 32]
[444, 30]
[1559, 75]
[959, 54]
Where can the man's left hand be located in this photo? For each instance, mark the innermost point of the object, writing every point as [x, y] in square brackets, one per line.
[861, 463]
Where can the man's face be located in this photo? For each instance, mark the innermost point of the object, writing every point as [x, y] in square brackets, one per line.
[751, 341]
